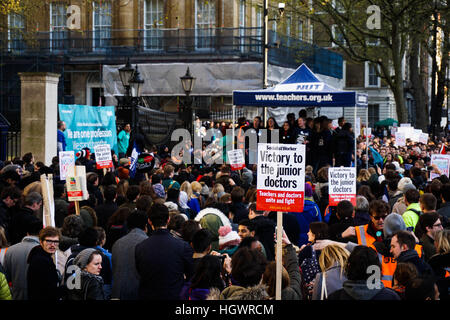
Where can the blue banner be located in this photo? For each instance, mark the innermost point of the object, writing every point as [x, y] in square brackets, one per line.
[88, 126]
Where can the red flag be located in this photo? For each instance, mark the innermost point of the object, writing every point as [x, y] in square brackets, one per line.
[443, 151]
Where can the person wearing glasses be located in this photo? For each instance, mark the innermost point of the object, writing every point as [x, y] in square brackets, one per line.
[427, 227]
[372, 232]
[42, 277]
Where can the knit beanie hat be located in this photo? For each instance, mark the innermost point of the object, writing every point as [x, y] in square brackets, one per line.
[159, 190]
[404, 181]
[392, 224]
[81, 260]
[228, 237]
[205, 190]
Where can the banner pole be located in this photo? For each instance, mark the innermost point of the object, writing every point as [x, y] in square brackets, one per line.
[279, 255]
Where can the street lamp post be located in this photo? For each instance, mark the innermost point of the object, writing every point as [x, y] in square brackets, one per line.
[188, 82]
[132, 82]
[266, 45]
[136, 83]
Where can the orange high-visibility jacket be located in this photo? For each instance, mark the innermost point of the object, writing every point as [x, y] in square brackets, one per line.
[389, 264]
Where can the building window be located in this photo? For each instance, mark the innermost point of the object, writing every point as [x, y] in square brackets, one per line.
[373, 114]
[338, 36]
[16, 30]
[102, 24]
[257, 43]
[371, 77]
[58, 19]
[300, 30]
[205, 23]
[153, 22]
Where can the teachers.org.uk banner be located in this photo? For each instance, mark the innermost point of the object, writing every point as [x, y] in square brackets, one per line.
[88, 126]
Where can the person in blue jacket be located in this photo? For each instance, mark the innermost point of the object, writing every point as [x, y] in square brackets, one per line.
[311, 213]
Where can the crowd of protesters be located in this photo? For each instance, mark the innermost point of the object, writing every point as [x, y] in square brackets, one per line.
[193, 231]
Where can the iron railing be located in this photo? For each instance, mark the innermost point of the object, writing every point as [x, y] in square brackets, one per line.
[217, 43]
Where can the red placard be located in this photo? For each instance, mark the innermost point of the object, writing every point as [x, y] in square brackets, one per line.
[334, 199]
[104, 164]
[287, 201]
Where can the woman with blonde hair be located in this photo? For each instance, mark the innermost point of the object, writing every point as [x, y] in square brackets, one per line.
[332, 262]
[440, 262]
[196, 189]
[217, 192]
[187, 201]
[363, 176]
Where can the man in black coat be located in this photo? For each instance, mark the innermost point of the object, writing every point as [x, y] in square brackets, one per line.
[402, 248]
[42, 277]
[107, 209]
[19, 220]
[9, 197]
[343, 146]
[162, 261]
[345, 213]
[264, 230]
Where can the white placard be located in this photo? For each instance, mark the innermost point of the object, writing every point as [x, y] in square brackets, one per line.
[103, 156]
[442, 161]
[405, 125]
[400, 139]
[423, 138]
[281, 177]
[66, 159]
[236, 159]
[341, 185]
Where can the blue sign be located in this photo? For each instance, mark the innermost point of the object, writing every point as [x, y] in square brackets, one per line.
[88, 126]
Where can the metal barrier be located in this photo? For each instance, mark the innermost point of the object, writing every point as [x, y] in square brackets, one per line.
[12, 145]
[217, 43]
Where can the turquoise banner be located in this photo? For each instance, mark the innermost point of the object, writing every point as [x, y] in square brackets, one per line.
[88, 126]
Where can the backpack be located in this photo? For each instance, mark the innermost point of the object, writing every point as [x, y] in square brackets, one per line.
[309, 268]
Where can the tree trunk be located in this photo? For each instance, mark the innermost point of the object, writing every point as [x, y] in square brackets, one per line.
[441, 74]
[418, 91]
[397, 83]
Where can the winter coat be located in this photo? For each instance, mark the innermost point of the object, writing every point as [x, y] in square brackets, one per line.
[42, 276]
[264, 231]
[105, 273]
[18, 224]
[311, 213]
[412, 256]
[440, 263]
[429, 249]
[5, 293]
[163, 263]
[104, 212]
[125, 275]
[91, 288]
[334, 280]
[358, 290]
[445, 210]
[410, 217]
[257, 292]
[240, 211]
[16, 266]
[61, 211]
[400, 206]
[294, 290]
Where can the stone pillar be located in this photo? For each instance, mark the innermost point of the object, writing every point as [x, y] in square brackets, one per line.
[39, 115]
[126, 21]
